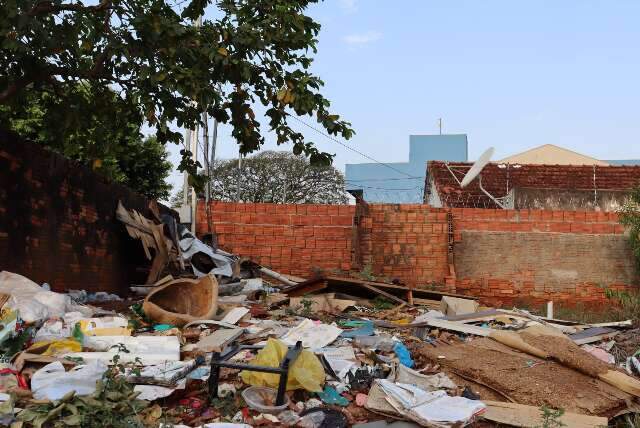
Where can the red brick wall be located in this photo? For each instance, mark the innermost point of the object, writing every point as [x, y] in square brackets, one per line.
[410, 242]
[294, 239]
[407, 242]
[57, 222]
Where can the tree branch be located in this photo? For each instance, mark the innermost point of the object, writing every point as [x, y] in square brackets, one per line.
[47, 7]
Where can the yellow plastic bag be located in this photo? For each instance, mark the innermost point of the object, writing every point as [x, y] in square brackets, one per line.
[306, 372]
[55, 347]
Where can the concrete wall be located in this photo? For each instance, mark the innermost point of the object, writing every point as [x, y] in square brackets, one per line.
[558, 199]
[57, 222]
[405, 182]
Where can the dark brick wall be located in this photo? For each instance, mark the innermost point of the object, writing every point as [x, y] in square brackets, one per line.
[57, 222]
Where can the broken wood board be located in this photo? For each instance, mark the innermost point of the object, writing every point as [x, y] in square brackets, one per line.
[520, 415]
[294, 278]
[151, 235]
[594, 334]
[235, 315]
[431, 304]
[550, 320]
[456, 306]
[624, 324]
[322, 302]
[277, 276]
[310, 286]
[526, 379]
[361, 288]
[438, 323]
[485, 315]
[219, 339]
[384, 294]
[337, 283]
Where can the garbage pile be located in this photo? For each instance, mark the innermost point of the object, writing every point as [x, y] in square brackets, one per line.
[228, 343]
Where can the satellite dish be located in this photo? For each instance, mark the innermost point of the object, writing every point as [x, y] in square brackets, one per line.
[477, 167]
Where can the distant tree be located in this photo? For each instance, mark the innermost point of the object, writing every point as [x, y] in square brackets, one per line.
[275, 177]
[77, 125]
[166, 70]
[178, 198]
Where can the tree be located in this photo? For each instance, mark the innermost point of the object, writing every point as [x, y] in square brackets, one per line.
[77, 125]
[166, 71]
[275, 177]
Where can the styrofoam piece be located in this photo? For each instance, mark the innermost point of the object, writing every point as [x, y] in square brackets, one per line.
[150, 349]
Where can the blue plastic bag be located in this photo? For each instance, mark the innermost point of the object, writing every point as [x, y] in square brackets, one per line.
[403, 354]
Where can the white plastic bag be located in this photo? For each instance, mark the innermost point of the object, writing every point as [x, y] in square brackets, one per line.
[52, 382]
[32, 301]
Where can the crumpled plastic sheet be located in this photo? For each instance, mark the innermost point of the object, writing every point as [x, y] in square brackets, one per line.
[190, 245]
[33, 302]
[52, 382]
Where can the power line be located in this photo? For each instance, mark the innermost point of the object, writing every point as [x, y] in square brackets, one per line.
[347, 146]
[389, 179]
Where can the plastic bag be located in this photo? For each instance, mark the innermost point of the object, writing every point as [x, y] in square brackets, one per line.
[52, 382]
[306, 372]
[403, 354]
[55, 347]
[32, 301]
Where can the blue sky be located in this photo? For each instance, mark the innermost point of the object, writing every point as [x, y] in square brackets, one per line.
[509, 74]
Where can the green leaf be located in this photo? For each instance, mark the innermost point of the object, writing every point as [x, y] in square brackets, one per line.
[72, 420]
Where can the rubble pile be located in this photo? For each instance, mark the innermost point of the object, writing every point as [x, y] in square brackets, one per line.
[212, 340]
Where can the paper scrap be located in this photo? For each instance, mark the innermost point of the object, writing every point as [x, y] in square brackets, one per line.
[312, 335]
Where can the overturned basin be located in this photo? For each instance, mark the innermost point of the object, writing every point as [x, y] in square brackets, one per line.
[182, 301]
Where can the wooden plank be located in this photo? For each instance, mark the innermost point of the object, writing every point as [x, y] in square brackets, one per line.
[520, 415]
[277, 276]
[627, 323]
[417, 292]
[384, 294]
[594, 334]
[311, 286]
[459, 327]
[219, 339]
[435, 304]
[486, 315]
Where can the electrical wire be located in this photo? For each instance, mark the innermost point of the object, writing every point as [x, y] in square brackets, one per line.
[389, 179]
[347, 146]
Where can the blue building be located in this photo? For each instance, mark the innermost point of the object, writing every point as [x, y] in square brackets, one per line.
[405, 182]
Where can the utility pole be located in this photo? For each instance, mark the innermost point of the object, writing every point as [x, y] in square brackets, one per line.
[191, 139]
[185, 187]
[194, 199]
[239, 176]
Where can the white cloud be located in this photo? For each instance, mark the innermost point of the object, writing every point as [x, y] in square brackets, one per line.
[362, 38]
[349, 5]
